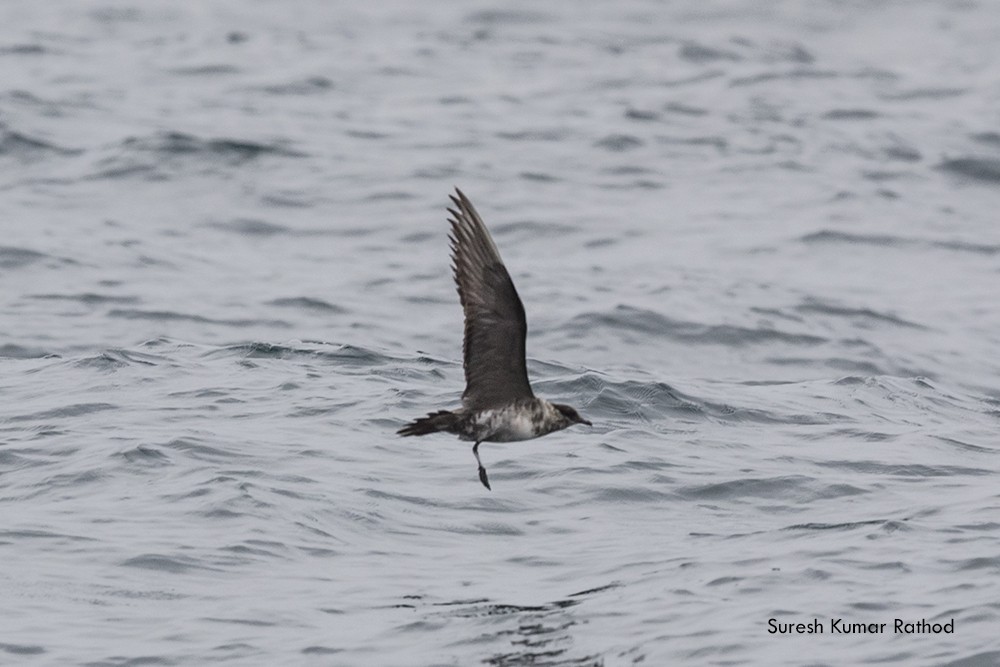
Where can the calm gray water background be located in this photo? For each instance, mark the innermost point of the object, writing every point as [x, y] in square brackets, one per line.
[757, 243]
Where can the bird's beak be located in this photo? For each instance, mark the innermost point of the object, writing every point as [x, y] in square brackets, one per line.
[584, 421]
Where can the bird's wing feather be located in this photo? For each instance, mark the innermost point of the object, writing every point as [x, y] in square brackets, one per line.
[495, 327]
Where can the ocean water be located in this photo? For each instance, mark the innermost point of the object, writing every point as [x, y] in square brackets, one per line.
[758, 247]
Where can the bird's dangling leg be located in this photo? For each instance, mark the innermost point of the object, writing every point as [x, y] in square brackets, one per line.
[482, 471]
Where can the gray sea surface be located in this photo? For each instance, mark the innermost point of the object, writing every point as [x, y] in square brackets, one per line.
[758, 246]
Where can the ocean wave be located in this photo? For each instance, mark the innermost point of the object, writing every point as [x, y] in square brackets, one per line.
[25, 148]
[813, 306]
[645, 321]
[13, 351]
[826, 236]
[171, 315]
[64, 412]
[308, 304]
[975, 169]
[12, 257]
[159, 155]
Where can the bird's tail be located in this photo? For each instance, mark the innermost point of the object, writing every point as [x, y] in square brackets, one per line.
[432, 423]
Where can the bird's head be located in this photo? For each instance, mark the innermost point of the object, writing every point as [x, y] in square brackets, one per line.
[571, 414]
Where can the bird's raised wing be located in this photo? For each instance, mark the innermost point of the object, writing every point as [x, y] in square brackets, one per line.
[495, 328]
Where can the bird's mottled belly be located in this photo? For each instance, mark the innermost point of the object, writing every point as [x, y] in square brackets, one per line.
[507, 425]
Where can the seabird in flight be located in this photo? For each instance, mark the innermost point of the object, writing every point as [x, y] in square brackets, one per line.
[498, 404]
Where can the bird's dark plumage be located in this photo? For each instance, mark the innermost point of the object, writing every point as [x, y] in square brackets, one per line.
[495, 327]
[498, 404]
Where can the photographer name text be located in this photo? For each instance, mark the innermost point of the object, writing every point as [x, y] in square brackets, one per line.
[840, 626]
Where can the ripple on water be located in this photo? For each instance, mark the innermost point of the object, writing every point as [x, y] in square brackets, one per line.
[170, 315]
[21, 649]
[162, 155]
[341, 355]
[640, 320]
[25, 148]
[12, 257]
[88, 298]
[974, 169]
[900, 242]
[117, 358]
[167, 564]
[12, 351]
[308, 304]
[518, 634]
[199, 449]
[147, 456]
[858, 315]
[65, 412]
